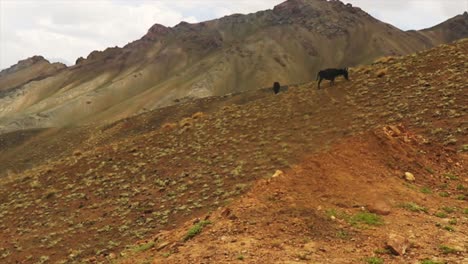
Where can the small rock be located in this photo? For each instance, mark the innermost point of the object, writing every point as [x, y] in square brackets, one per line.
[409, 176]
[277, 174]
[162, 245]
[397, 244]
[226, 212]
[379, 207]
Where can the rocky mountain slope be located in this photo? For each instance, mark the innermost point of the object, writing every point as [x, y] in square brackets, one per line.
[131, 191]
[289, 44]
[31, 69]
[448, 31]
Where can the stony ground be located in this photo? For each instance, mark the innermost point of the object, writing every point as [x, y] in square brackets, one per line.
[350, 204]
[90, 193]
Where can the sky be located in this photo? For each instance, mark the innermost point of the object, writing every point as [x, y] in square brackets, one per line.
[63, 30]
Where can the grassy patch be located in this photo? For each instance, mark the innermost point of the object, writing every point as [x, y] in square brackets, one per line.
[430, 170]
[414, 207]
[426, 190]
[410, 186]
[451, 176]
[342, 234]
[444, 194]
[429, 261]
[337, 214]
[449, 228]
[448, 210]
[441, 214]
[374, 260]
[195, 230]
[447, 250]
[444, 186]
[366, 218]
[143, 247]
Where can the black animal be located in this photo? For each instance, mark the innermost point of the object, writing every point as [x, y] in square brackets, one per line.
[276, 87]
[331, 74]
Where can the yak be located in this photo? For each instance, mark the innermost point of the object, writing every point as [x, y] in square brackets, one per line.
[276, 87]
[331, 74]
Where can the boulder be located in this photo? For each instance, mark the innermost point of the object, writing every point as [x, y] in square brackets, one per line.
[379, 207]
[397, 244]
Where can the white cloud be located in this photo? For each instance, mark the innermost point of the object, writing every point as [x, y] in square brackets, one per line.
[69, 29]
[412, 14]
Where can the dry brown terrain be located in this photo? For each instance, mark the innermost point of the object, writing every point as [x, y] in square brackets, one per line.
[288, 43]
[91, 193]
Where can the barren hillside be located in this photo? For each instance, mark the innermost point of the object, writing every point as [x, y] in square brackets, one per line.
[344, 152]
[31, 69]
[289, 44]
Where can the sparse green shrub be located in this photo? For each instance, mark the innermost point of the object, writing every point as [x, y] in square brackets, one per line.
[451, 176]
[441, 214]
[413, 207]
[374, 260]
[447, 250]
[428, 261]
[196, 229]
[449, 210]
[342, 234]
[426, 190]
[337, 214]
[449, 228]
[430, 170]
[464, 148]
[366, 218]
[143, 247]
[444, 194]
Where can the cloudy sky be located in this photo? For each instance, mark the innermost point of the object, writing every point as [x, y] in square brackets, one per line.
[63, 30]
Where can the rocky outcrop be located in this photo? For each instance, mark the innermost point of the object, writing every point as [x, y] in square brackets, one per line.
[30, 69]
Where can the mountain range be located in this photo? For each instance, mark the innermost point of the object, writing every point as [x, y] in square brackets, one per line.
[235, 53]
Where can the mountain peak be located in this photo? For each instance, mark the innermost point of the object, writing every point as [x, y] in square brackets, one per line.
[295, 6]
[24, 64]
[156, 31]
[32, 60]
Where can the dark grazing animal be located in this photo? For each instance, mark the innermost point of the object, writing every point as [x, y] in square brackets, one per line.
[276, 87]
[331, 74]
